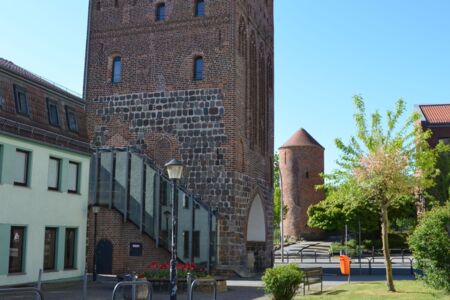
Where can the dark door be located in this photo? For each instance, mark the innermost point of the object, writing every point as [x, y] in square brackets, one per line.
[104, 257]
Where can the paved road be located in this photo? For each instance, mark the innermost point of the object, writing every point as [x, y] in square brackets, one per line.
[237, 289]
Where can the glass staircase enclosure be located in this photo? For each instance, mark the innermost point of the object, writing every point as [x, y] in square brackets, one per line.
[129, 182]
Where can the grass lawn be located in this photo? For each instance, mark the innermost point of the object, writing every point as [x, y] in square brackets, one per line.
[406, 289]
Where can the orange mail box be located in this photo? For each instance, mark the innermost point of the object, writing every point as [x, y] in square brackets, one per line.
[345, 264]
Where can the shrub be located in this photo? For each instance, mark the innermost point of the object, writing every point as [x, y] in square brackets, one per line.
[430, 244]
[282, 282]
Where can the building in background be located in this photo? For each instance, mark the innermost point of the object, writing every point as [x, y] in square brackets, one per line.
[191, 80]
[301, 163]
[436, 117]
[44, 167]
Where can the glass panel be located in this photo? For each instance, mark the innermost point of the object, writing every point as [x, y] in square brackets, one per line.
[117, 69]
[120, 180]
[53, 114]
[198, 72]
[136, 172]
[69, 250]
[184, 225]
[16, 250]
[73, 177]
[200, 247]
[93, 179]
[165, 212]
[53, 173]
[149, 201]
[106, 171]
[200, 8]
[49, 248]
[21, 167]
[213, 239]
[161, 12]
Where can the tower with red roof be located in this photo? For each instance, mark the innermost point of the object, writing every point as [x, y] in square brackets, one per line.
[301, 163]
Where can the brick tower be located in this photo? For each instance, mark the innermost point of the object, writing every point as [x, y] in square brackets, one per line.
[301, 162]
[192, 80]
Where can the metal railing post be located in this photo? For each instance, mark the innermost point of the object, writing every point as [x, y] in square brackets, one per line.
[196, 281]
[133, 288]
[85, 279]
[39, 283]
[133, 284]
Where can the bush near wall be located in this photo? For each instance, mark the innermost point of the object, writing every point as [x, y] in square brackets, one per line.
[430, 245]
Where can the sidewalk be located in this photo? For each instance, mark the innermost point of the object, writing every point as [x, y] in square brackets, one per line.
[238, 289]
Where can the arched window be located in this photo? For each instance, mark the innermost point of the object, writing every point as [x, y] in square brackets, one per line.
[161, 12]
[242, 46]
[199, 8]
[198, 68]
[116, 69]
[262, 103]
[253, 80]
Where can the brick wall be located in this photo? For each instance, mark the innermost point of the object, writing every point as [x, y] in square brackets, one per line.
[37, 95]
[300, 169]
[110, 226]
[159, 107]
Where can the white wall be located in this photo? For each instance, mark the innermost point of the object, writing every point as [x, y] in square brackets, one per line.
[36, 208]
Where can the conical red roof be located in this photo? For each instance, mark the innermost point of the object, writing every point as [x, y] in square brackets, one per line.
[301, 138]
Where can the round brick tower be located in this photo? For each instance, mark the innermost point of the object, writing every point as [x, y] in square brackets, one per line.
[301, 163]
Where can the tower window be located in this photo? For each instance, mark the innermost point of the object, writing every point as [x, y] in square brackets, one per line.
[199, 8]
[161, 12]
[198, 68]
[116, 69]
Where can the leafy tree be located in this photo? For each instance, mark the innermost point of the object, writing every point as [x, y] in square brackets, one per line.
[441, 191]
[343, 206]
[277, 192]
[383, 166]
[430, 244]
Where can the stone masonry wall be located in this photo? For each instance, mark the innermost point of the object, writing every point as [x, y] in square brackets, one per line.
[159, 106]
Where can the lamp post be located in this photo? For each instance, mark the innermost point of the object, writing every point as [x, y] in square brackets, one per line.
[175, 171]
[95, 211]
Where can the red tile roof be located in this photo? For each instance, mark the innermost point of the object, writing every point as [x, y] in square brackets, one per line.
[13, 68]
[436, 113]
[301, 138]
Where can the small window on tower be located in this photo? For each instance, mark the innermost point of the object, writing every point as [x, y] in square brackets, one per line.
[161, 12]
[199, 8]
[198, 68]
[116, 69]
[307, 174]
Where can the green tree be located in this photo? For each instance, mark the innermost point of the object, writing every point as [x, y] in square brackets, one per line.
[343, 206]
[277, 192]
[441, 191]
[383, 166]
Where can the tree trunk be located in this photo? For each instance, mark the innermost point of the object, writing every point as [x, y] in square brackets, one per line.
[385, 240]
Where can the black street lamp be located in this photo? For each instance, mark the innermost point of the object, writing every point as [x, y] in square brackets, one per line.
[175, 171]
[95, 211]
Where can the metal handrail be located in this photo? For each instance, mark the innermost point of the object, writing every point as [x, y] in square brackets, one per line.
[21, 291]
[133, 284]
[196, 281]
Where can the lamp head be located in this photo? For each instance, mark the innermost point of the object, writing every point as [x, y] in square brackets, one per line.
[174, 169]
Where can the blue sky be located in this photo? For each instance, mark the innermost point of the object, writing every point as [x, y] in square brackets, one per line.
[326, 51]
